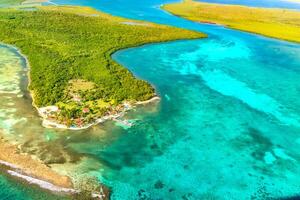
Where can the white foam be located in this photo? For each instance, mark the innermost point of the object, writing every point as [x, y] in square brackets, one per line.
[8, 164]
[41, 183]
[281, 154]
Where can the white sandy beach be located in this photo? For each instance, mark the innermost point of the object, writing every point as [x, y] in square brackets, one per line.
[53, 124]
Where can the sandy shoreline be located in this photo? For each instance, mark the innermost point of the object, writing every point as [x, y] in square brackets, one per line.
[153, 99]
[43, 184]
[9, 157]
[52, 124]
[33, 170]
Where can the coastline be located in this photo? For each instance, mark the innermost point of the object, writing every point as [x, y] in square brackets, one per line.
[171, 8]
[32, 170]
[153, 99]
[162, 170]
[35, 172]
[53, 124]
[38, 177]
[293, 1]
[23, 165]
[41, 183]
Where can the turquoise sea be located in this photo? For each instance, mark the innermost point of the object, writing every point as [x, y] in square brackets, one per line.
[227, 125]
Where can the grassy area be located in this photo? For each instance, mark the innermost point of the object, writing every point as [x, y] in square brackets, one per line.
[72, 46]
[10, 2]
[277, 23]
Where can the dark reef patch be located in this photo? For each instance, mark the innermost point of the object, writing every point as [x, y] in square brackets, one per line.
[159, 185]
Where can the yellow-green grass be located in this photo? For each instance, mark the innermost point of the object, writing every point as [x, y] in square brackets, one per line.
[10, 2]
[75, 43]
[294, 1]
[277, 23]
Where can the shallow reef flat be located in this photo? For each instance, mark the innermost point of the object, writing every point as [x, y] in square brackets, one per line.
[28, 152]
[276, 23]
[11, 71]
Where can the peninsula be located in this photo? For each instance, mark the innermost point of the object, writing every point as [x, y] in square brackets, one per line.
[276, 23]
[73, 80]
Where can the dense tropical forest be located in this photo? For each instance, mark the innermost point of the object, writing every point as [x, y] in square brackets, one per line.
[67, 44]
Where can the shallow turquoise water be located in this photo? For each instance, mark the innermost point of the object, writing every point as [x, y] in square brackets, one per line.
[15, 190]
[13, 118]
[223, 129]
[227, 126]
[229, 105]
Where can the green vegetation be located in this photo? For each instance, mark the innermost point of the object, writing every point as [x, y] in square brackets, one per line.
[276, 23]
[10, 2]
[65, 44]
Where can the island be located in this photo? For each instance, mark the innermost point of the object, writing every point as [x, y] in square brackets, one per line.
[294, 1]
[73, 80]
[75, 83]
[276, 23]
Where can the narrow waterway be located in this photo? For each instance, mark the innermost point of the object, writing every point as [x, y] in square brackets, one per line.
[228, 125]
